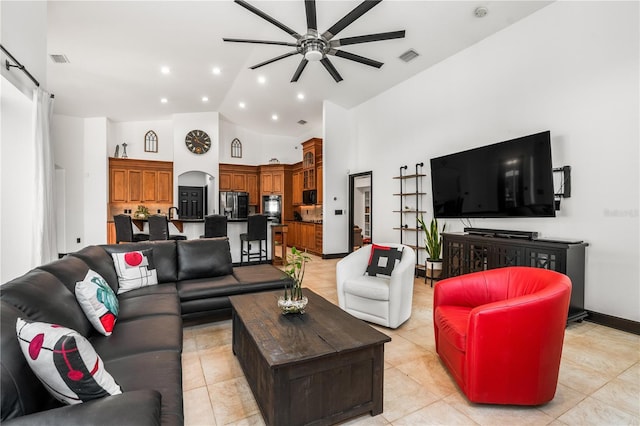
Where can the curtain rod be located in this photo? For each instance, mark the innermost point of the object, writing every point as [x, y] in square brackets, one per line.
[18, 65]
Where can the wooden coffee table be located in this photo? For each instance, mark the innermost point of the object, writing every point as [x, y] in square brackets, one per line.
[321, 367]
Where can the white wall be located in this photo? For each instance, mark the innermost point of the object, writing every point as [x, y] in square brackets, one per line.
[133, 133]
[338, 137]
[96, 181]
[572, 68]
[67, 135]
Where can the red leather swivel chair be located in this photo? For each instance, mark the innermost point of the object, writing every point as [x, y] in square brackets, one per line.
[500, 333]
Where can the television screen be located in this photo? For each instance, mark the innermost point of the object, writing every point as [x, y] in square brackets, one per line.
[506, 179]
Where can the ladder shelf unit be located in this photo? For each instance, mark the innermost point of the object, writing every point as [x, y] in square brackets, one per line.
[411, 196]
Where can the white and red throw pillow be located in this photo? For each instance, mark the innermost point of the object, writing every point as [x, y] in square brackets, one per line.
[135, 269]
[65, 362]
[98, 301]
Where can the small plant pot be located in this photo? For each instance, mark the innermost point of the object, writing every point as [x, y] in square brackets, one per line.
[433, 268]
[288, 306]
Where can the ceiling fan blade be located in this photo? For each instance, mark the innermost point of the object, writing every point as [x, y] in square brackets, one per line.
[332, 70]
[310, 8]
[296, 75]
[348, 19]
[368, 38]
[277, 58]
[356, 58]
[244, 40]
[267, 18]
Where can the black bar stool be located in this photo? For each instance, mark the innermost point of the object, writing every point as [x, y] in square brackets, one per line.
[215, 225]
[124, 230]
[256, 231]
[159, 229]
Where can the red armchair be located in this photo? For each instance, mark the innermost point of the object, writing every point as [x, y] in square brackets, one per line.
[500, 333]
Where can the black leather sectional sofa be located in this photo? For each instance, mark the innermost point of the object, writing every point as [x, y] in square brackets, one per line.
[144, 352]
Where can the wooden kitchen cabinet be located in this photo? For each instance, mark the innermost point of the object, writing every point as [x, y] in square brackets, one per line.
[308, 232]
[240, 178]
[296, 180]
[319, 186]
[252, 189]
[272, 182]
[305, 236]
[140, 181]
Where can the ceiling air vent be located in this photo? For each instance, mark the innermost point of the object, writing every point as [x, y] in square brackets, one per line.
[302, 122]
[409, 55]
[59, 59]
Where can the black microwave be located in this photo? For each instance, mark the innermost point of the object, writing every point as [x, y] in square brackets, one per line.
[309, 196]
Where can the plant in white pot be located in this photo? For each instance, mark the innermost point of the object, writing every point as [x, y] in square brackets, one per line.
[293, 301]
[433, 245]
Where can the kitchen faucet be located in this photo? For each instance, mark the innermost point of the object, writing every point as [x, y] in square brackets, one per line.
[170, 210]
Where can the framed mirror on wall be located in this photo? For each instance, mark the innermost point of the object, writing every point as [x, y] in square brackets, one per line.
[360, 210]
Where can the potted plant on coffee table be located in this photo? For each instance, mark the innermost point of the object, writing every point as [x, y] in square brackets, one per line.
[293, 301]
[433, 246]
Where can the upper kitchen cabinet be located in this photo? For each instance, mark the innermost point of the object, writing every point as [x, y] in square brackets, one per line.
[272, 179]
[297, 184]
[240, 178]
[140, 181]
[311, 157]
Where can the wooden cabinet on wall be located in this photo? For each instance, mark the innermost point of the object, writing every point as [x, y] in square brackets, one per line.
[296, 180]
[319, 186]
[140, 181]
[311, 157]
[305, 236]
[241, 178]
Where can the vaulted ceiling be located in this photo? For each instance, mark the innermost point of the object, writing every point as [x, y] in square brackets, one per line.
[116, 51]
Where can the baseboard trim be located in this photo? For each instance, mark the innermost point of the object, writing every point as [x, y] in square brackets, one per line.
[334, 255]
[614, 322]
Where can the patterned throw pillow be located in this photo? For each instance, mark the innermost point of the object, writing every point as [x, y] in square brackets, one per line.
[65, 362]
[135, 269]
[98, 302]
[382, 260]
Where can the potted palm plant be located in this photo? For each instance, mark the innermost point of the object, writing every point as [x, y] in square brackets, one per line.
[433, 245]
[293, 301]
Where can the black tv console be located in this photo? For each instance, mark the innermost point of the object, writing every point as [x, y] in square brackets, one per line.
[465, 253]
[502, 233]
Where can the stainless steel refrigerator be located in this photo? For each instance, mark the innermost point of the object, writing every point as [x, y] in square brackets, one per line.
[234, 205]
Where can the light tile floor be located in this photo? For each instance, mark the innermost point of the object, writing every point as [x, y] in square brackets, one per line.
[599, 380]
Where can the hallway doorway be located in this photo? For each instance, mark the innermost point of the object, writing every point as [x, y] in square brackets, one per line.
[360, 210]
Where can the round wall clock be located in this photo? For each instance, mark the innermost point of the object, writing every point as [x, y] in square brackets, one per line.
[198, 141]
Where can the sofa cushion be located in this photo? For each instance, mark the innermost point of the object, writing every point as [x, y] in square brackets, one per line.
[374, 288]
[148, 305]
[42, 297]
[164, 256]
[203, 258]
[452, 323]
[262, 276]
[145, 334]
[98, 301]
[100, 261]
[204, 288]
[65, 362]
[135, 269]
[69, 270]
[161, 371]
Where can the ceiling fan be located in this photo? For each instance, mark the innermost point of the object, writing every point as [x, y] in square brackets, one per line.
[316, 47]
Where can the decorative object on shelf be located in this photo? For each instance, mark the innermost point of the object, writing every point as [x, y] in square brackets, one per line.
[115, 154]
[124, 150]
[293, 302]
[274, 161]
[141, 213]
[236, 148]
[150, 141]
[198, 141]
[433, 246]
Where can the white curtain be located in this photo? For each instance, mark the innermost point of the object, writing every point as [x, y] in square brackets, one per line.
[44, 226]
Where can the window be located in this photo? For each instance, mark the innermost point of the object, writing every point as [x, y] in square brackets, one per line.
[151, 142]
[236, 148]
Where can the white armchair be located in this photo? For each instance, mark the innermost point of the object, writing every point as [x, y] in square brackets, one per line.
[380, 300]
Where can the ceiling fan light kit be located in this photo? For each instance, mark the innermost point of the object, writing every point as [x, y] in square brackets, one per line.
[315, 47]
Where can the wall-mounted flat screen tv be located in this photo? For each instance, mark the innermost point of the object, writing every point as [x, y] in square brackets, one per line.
[507, 179]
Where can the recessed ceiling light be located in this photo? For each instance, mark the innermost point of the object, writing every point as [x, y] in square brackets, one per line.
[205, 99]
[164, 100]
[301, 96]
[262, 79]
[274, 117]
[481, 12]
[216, 70]
[242, 105]
[165, 70]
